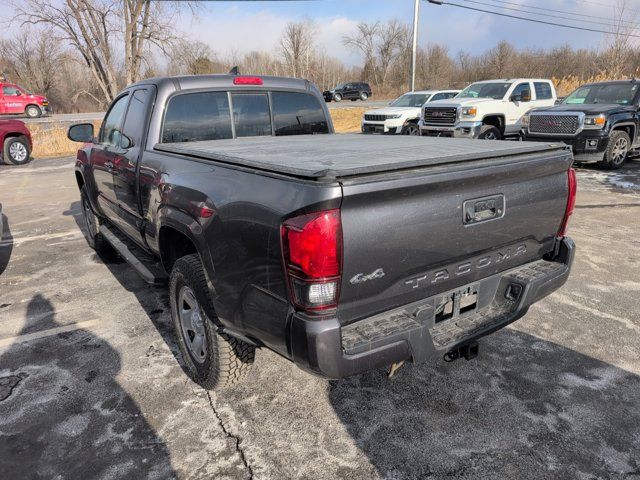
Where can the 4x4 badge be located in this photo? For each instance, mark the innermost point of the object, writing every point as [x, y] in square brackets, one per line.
[361, 277]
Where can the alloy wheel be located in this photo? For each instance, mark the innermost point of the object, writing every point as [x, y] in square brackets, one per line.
[192, 323]
[619, 152]
[18, 152]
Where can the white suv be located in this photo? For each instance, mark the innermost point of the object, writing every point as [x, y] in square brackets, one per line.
[402, 115]
[491, 110]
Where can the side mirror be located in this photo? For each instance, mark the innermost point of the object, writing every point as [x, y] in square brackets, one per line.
[81, 132]
[18, 93]
[126, 142]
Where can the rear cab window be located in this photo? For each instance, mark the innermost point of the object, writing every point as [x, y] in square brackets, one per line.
[543, 90]
[218, 115]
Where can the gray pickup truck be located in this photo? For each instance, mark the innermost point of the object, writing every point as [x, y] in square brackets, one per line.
[342, 253]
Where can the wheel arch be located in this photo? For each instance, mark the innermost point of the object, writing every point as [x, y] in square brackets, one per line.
[628, 127]
[495, 119]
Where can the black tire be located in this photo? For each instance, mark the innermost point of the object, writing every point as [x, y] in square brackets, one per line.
[91, 224]
[364, 96]
[33, 111]
[337, 97]
[410, 129]
[489, 132]
[16, 151]
[221, 361]
[617, 150]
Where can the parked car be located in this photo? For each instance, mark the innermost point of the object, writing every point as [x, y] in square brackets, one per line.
[348, 91]
[488, 110]
[599, 120]
[402, 115]
[16, 142]
[15, 100]
[339, 252]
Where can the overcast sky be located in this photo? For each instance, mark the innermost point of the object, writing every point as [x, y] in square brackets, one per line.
[256, 25]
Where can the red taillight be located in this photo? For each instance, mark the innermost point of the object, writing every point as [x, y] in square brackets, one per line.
[312, 249]
[572, 183]
[247, 81]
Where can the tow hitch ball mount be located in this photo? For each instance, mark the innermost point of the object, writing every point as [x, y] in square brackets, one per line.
[467, 351]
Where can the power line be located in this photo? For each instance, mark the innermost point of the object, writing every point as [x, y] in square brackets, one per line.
[554, 10]
[586, 29]
[542, 14]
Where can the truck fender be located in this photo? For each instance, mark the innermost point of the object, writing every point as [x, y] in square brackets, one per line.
[617, 125]
[183, 223]
[85, 179]
[500, 116]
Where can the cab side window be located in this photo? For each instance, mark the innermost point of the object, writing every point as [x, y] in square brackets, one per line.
[520, 89]
[111, 131]
[136, 116]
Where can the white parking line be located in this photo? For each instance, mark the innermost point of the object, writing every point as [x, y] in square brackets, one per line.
[46, 236]
[28, 337]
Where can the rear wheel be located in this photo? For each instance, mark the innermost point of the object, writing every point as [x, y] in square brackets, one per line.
[16, 151]
[617, 150]
[364, 96]
[337, 97]
[212, 359]
[33, 111]
[489, 132]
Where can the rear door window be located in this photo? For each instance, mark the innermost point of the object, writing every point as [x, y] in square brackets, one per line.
[198, 116]
[297, 114]
[251, 114]
[543, 91]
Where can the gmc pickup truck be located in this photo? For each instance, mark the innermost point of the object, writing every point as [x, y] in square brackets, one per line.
[342, 253]
[600, 121]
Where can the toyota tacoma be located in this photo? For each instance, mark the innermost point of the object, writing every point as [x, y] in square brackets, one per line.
[339, 252]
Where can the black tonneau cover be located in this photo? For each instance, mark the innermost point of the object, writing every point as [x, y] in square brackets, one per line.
[342, 155]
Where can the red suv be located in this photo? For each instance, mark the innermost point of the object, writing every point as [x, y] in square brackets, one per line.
[16, 100]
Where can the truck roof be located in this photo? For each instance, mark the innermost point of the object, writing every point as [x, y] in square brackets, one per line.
[186, 82]
[514, 80]
[342, 155]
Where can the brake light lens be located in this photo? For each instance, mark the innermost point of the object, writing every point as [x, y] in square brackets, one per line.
[312, 251]
[572, 182]
[247, 81]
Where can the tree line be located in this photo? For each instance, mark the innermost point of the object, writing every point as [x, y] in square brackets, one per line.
[80, 53]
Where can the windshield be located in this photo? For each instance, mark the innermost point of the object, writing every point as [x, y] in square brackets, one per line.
[622, 94]
[340, 86]
[410, 100]
[496, 90]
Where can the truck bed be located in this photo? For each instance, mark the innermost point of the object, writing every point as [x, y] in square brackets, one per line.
[342, 155]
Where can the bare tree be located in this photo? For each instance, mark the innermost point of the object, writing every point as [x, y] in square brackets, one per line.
[95, 29]
[364, 39]
[392, 37]
[296, 47]
[619, 46]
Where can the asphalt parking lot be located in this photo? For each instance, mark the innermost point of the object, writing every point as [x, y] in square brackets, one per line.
[91, 384]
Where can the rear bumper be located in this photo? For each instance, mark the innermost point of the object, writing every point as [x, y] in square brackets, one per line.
[326, 348]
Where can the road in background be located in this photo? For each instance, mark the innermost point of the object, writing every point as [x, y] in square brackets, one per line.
[91, 383]
[83, 117]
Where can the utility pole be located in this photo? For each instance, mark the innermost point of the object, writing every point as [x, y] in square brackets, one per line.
[416, 14]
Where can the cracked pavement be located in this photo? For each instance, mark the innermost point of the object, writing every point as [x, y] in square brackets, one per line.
[91, 384]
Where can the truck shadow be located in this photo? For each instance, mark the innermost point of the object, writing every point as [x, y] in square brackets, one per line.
[64, 415]
[6, 244]
[524, 405]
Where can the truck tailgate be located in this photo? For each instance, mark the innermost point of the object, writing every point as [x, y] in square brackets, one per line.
[412, 234]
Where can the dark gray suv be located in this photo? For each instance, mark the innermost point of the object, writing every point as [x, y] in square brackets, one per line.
[350, 90]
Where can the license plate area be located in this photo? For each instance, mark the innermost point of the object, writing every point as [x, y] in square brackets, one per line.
[454, 304]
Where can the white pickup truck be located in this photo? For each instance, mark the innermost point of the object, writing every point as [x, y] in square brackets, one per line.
[489, 110]
[402, 115]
